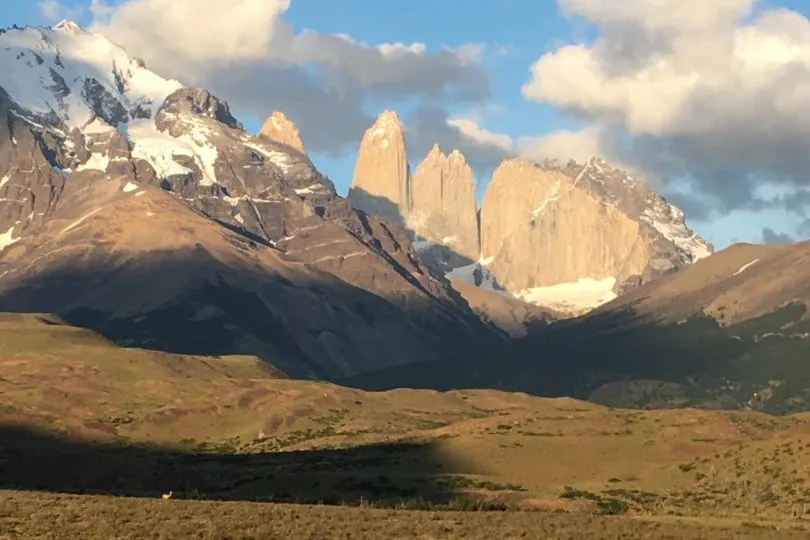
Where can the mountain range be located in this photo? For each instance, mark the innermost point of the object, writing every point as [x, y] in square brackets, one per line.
[565, 237]
[144, 210]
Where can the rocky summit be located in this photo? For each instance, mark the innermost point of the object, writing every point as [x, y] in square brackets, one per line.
[444, 210]
[382, 180]
[566, 237]
[142, 209]
[282, 130]
[574, 237]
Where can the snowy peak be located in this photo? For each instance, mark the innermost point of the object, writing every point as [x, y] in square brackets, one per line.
[69, 27]
[104, 116]
[65, 76]
[281, 129]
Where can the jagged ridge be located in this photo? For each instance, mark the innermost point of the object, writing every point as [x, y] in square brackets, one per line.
[73, 157]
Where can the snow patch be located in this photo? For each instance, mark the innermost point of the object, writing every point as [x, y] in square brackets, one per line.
[157, 148]
[280, 159]
[130, 187]
[97, 162]
[467, 274]
[421, 245]
[79, 221]
[7, 239]
[745, 267]
[204, 151]
[668, 220]
[4, 180]
[309, 189]
[553, 196]
[574, 298]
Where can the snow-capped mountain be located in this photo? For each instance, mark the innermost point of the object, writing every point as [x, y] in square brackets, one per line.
[141, 208]
[68, 78]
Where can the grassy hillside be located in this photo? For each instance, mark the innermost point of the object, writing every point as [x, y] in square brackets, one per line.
[628, 359]
[79, 415]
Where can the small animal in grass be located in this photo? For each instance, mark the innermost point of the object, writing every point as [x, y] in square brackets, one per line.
[167, 495]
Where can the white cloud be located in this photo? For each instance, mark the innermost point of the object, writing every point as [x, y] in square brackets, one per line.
[470, 129]
[101, 11]
[483, 149]
[564, 145]
[329, 84]
[176, 31]
[50, 9]
[55, 11]
[716, 93]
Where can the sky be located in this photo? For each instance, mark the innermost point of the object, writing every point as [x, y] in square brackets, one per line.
[707, 101]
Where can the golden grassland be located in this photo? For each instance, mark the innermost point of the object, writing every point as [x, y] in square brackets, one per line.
[44, 516]
[80, 415]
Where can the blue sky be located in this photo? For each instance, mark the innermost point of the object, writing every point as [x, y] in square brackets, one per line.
[723, 200]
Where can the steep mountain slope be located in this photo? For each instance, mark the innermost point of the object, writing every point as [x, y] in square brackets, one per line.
[510, 314]
[730, 331]
[142, 209]
[565, 237]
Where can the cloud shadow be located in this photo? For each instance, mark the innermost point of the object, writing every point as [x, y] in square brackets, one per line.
[385, 474]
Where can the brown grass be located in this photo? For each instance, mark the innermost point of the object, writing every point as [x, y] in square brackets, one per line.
[44, 516]
[125, 421]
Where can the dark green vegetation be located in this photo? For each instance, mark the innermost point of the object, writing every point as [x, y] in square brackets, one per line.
[624, 359]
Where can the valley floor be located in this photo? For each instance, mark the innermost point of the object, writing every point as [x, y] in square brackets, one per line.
[41, 516]
[237, 443]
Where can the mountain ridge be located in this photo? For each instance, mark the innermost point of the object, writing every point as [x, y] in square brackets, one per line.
[604, 233]
[106, 135]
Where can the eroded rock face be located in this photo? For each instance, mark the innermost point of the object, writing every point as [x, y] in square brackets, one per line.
[282, 130]
[541, 230]
[574, 237]
[382, 182]
[444, 208]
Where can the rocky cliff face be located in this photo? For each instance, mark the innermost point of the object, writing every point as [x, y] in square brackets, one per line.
[142, 209]
[382, 181]
[573, 237]
[444, 208]
[280, 129]
[568, 237]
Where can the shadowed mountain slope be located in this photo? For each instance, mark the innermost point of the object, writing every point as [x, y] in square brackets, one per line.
[730, 331]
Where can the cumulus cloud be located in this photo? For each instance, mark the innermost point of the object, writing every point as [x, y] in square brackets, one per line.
[469, 128]
[329, 84]
[564, 145]
[713, 95]
[483, 149]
